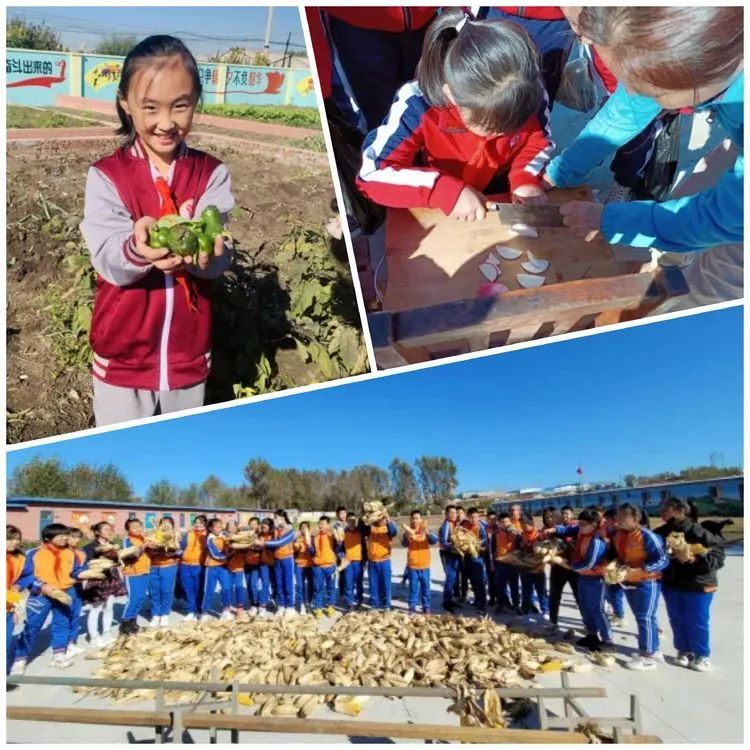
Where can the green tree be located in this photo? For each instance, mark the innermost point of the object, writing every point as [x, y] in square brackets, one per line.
[262, 59]
[99, 483]
[116, 44]
[258, 476]
[369, 482]
[24, 35]
[437, 480]
[403, 485]
[630, 480]
[163, 492]
[40, 477]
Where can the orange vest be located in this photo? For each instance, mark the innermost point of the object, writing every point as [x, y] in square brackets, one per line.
[325, 550]
[286, 550]
[236, 561]
[161, 560]
[473, 529]
[516, 524]
[136, 566]
[379, 543]
[195, 549]
[529, 537]
[631, 551]
[266, 555]
[252, 557]
[505, 542]
[579, 553]
[14, 562]
[222, 545]
[353, 544]
[418, 554]
[54, 568]
[302, 556]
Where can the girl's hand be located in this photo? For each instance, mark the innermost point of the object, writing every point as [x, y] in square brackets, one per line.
[159, 257]
[470, 206]
[547, 183]
[529, 195]
[583, 217]
[205, 260]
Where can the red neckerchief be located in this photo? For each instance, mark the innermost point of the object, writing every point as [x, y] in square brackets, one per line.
[57, 554]
[169, 207]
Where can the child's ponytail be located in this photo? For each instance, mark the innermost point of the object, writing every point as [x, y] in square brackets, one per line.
[152, 50]
[492, 69]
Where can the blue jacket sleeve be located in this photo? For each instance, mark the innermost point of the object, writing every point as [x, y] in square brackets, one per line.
[36, 584]
[432, 538]
[183, 542]
[287, 538]
[213, 550]
[78, 567]
[594, 555]
[571, 531]
[622, 118]
[27, 574]
[311, 548]
[656, 554]
[695, 222]
[444, 535]
[404, 541]
[392, 530]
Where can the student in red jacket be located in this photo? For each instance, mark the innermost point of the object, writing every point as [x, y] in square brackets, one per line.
[467, 125]
[151, 326]
[378, 50]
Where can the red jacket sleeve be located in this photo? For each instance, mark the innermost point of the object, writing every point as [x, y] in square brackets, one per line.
[531, 158]
[389, 175]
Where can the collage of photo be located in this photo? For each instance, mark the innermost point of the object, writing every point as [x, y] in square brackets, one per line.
[374, 374]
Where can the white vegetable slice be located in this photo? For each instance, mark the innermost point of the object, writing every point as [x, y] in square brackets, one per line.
[489, 271]
[528, 282]
[494, 261]
[535, 266]
[508, 253]
[525, 230]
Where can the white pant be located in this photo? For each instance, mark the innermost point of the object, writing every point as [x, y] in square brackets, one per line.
[113, 404]
[713, 275]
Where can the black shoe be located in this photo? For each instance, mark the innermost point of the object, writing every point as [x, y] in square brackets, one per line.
[519, 610]
[481, 611]
[591, 642]
[10, 687]
[127, 627]
[449, 607]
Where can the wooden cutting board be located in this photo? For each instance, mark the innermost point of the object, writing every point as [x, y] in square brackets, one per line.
[433, 259]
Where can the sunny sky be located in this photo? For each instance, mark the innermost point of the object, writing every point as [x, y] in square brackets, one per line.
[205, 29]
[641, 400]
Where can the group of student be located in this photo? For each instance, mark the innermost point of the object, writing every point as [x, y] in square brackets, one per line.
[297, 568]
[596, 538]
[456, 106]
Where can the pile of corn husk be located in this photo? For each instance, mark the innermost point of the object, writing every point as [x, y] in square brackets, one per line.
[615, 572]
[107, 547]
[161, 539]
[373, 511]
[243, 539]
[127, 552]
[547, 551]
[368, 649]
[466, 543]
[676, 542]
[59, 595]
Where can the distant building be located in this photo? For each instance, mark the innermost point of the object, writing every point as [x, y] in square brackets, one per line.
[32, 514]
[720, 496]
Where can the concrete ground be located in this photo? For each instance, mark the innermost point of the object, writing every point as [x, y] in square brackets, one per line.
[677, 704]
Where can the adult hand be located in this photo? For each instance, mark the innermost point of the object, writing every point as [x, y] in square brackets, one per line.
[160, 257]
[529, 195]
[470, 206]
[583, 217]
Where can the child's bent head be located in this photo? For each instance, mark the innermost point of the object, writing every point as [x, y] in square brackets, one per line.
[489, 70]
[159, 90]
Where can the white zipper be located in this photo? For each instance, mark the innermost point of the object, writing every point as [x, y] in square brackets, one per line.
[164, 348]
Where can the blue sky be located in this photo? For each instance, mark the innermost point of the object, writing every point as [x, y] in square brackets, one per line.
[205, 29]
[641, 400]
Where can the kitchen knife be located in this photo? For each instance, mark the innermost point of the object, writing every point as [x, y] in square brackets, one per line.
[535, 216]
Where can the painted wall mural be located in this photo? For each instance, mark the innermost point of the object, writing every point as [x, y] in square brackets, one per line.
[37, 78]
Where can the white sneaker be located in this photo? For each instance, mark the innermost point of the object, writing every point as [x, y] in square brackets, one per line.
[154, 622]
[205, 617]
[190, 617]
[683, 659]
[96, 642]
[108, 639]
[264, 614]
[657, 656]
[253, 612]
[290, 613]
[617, 622]
[61, 661]
[641, 664]
[74, 650]
[280, 612]
[164, 623]
[18, 669]
[701, 664]
[226, 615]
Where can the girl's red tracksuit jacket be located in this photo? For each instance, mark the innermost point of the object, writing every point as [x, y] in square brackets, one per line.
[424, 155]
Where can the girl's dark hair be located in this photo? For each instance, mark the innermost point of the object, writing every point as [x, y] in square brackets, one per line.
[73, 531]
[551, 516]
[12, 532]
[491, 67]
[527, 518]
[97, 527]
[254, 518]
[693, 512]
[643, 519]
[324, 518]
[681, 505]
[130, 522]
[588, 515]
[282, 514]
[304, 523]
[670, 47]
[169, 519]
[52, 530]
[152, 51]
[213, 523]
[629, 509]
[267, 522]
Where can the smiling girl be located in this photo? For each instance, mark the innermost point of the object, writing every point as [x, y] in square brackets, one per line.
[151, 326]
